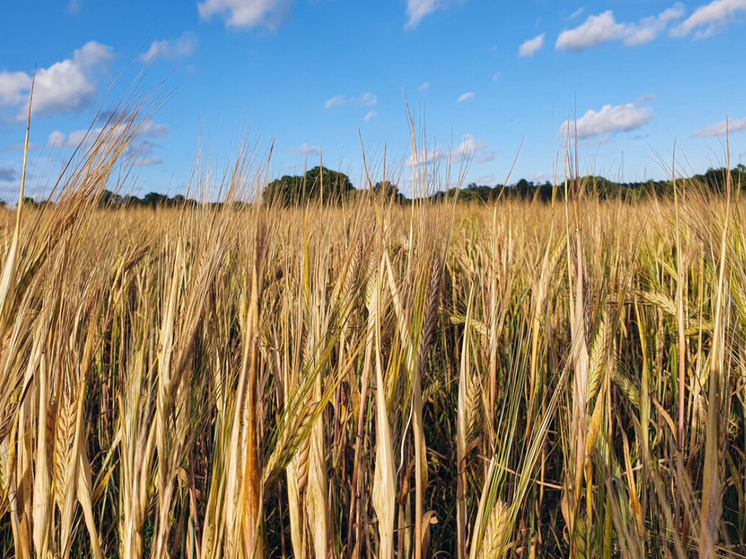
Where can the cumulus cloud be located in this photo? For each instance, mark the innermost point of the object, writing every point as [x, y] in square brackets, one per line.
[14, 87]
[603, 28]
[370, 116]
[610, 119]
[531, 47]
[367, 99]
[171, 49]
[8, 173]
[465, 97]
[722, 128]
[66, 86]
[595, 31]
[708, 20]
[246, 13]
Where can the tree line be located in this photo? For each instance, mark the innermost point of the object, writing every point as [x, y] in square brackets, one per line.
[333, 187]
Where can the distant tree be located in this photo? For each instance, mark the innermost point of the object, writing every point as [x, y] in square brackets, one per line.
[110, 200]
[154, 199]
[389, 190]
[318, 183]
[31, 203]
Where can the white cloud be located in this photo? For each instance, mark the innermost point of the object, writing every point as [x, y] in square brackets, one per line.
[484, 180]
[85, 138]
[8, 173]
[417, 10]
[650, 27]
[465, 97]
[141, 153]
[469, 148]
[66, 86]
[171, 49]
[246, 13]
[595, 31]
[424, 86]
[708, 20]
[647, 98]
[370, 116]
[576, 14]
[531, 47]
[621, 118]
[367, 99]
[22, 147]
[306, 150]
[603, 28]
[721, 128]
[14, 87]
[487, 156]
[336, 101]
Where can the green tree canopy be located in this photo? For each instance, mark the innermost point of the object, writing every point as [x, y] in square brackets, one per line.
[299, 189]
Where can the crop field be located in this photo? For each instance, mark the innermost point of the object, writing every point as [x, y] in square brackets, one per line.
[372, 379]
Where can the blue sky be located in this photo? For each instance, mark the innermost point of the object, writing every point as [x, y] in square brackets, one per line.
[482, 78]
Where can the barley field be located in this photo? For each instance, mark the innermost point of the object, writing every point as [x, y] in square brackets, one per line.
[370, 379]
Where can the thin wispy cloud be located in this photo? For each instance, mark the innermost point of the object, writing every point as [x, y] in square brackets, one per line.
[709, 19]
[650, 27]
[469, 149]
[172, 49]
[367, 99]
[721, 129]
[66, 86]
[8, 173]
[576, 14]
[647, 98]
[531, 47]
[465, 97]
[424, 86]
[610, 119]
[417, 10]
[306, 150]
[85, 138]
[73, 7]
[603, 28]
[142, 153]
[370, 116]
[246, 13]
